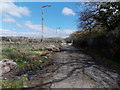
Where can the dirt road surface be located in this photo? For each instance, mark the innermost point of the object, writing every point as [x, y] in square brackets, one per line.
[75, 69]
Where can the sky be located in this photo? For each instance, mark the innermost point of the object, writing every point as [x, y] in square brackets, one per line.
[25, 19]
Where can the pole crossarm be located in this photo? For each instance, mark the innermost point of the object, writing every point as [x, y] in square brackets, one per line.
[46, 6]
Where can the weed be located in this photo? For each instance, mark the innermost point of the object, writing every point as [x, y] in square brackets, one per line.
[12, 84]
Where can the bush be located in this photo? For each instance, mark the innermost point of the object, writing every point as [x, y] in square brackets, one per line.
[105, 43]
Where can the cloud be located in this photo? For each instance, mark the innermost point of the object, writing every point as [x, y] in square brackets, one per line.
[47, 33]
[68, 11]
[18, 25]
[36, 31]
[9, 20]
[7, 32]
[11, 9]
[32, 26]
[65, 32]
[8, 1]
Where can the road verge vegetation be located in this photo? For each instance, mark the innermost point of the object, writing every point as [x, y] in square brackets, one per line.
[99, 31]
[31, 59]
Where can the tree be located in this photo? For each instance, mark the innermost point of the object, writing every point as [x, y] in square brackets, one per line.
[109, 15]
[105, 14]
[86, 19]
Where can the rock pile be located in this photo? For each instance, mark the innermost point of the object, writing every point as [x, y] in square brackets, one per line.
[7, 65]
[53, 48]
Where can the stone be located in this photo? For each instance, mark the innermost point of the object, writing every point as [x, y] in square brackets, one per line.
[53, 48]
[7, 65]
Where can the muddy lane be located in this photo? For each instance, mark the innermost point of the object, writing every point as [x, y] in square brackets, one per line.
[75, 69]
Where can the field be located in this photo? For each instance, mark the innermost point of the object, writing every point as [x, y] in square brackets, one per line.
[30, 56]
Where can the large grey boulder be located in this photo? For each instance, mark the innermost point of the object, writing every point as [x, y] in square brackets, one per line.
[7, 65]
[53, 48]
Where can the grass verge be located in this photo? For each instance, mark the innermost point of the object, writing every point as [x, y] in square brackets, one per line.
[96, 55]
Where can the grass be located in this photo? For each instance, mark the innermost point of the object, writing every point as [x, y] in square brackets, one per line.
[96, 54]
[14, 84]
[28, 57]
[101, 44]
[25, 54]
[24, 57]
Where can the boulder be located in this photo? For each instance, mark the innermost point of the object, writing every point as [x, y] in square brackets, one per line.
[53, 48]
[7, 65]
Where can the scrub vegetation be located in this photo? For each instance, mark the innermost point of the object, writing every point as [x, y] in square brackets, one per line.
[30, 57]
[99, 30]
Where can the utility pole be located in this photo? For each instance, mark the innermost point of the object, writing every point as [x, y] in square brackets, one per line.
[43, 20]
[42, 23]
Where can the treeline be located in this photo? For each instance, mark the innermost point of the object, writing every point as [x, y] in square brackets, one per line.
[99, 29]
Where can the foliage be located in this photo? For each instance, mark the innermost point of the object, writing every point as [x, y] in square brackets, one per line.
[97, 14]
[109, 15]
[100, 23]
[107, 44]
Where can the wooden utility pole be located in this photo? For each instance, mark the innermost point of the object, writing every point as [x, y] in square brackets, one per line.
[43, 21]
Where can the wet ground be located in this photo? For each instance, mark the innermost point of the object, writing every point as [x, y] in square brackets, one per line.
[75, 69]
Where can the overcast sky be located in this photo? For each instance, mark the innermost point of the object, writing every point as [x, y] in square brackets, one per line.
[24, 19]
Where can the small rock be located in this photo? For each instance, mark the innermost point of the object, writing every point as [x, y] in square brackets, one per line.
[7, 65]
